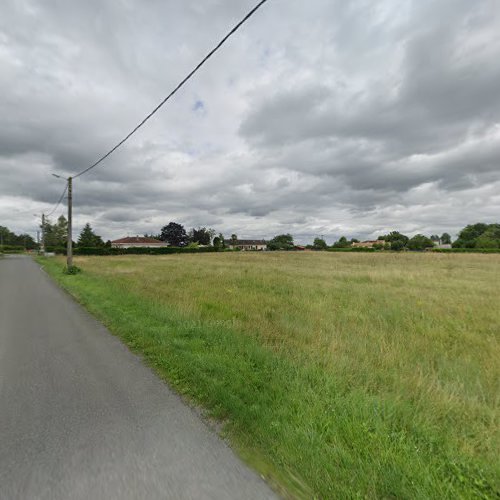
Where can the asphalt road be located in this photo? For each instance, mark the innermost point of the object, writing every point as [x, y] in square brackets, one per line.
[82, 418]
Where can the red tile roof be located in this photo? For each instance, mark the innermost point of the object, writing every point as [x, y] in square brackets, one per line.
[137, 239]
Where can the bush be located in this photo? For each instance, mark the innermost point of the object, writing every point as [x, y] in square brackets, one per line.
[72, 270]
[56, 250]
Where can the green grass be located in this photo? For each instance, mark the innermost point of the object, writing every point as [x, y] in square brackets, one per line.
[335, 375]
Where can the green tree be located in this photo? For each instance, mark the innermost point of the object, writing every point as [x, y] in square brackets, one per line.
[281, 242]
[319, 244]
[219, 242]
[342, 243]
[7, 237]
[445, 239]
[174, 234]
[89, 239]
[55, 235]
[202, 235]
[397, 240]
[469, 234]
[397, 245]
[478, 235]
[420, 242]
[396, 236]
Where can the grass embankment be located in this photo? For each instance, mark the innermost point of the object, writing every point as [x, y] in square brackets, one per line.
[338, 375]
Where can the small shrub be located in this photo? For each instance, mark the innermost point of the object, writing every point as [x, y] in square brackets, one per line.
[72, 270]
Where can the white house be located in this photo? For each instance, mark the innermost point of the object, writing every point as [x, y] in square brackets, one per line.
[246, 244]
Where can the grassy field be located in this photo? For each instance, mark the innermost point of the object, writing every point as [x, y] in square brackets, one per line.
[335, 375]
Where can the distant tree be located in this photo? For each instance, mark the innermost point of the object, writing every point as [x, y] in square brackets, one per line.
[435, 238]
[319, 244]
[61, 231]
[219, 242]
[342, 243]
[396, 236]
[469, 234]
[354, 240]
[174, 234]
[397, 240]
[55, 235]
[281, 242]
[26, 241]
[445, 239]
[485, 241]
[420, 242]
[202, 235]
[397, 245]
[8, 237]
[234, 239]
[490, 238]
[88, 238]
[153, 236]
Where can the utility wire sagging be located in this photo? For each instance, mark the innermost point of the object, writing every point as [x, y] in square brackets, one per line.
[197, 67]
[58, 202]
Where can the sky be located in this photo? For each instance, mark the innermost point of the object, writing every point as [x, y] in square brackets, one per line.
[318, 118]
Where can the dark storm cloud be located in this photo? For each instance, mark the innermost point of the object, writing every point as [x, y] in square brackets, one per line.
[321, 117]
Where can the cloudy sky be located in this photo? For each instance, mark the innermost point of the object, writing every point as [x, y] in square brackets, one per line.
[319, 117]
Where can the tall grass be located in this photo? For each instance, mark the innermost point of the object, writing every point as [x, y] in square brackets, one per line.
[337, 375]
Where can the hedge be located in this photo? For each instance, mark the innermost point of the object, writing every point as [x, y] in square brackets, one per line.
[353, 249]
[12, 249]
[132, 250]
[466, 250]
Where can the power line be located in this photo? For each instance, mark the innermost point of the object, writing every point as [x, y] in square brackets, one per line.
[181, 84]
[59, 201]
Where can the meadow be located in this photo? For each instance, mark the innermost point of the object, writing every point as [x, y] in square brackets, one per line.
[334, 375]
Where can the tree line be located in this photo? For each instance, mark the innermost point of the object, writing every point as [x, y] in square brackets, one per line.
[55, 236]
[10, 239]
[473, 236]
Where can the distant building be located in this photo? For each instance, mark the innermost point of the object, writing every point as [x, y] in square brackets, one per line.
[367, 244]
[246, 244]
[137, 241]
[445, 246]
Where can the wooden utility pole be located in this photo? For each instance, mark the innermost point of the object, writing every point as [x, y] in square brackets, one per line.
[43, 234]
[69, 251]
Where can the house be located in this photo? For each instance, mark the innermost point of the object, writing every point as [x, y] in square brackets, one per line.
[137, 241]
[246, 244]
[367, 244]
[443, 246]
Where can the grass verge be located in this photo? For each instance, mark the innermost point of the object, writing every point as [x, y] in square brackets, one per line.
[335, 375]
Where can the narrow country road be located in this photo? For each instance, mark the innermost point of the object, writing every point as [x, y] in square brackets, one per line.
[82, 418]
